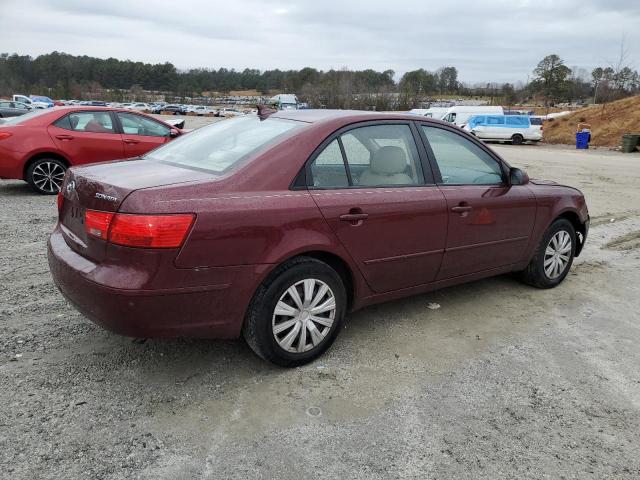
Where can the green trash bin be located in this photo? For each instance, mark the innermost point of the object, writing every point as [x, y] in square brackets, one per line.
[630, 142]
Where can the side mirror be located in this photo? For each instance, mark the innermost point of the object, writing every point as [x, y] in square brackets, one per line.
[174, 132]
[518, 177]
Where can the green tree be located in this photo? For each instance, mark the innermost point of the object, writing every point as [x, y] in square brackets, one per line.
[551, 78]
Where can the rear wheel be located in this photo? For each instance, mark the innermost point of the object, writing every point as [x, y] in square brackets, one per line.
[554, 256]
[517, 139]
[296, 314]
[45, 175]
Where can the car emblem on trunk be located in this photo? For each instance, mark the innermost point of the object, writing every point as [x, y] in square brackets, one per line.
[103, 196]
[71, 186]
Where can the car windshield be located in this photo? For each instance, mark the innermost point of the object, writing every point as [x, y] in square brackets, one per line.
[25, 117]
[219, 147]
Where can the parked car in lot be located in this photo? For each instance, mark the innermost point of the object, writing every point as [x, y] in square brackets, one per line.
[13, 109]
[228, 112]
[39, 146]
[460, 114]
[140, 107]
[174, 109]
[202, 110]
[512, 128]
[33, 101]
[274, 227]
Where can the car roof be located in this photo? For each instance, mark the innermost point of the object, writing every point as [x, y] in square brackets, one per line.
[322, 115]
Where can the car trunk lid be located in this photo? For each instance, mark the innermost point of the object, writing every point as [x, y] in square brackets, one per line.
[104, 187]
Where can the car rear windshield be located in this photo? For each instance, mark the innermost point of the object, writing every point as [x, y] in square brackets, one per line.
[536, 121]
[221, 146]
[25, 117]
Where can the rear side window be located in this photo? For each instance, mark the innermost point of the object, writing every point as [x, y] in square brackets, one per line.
[376, 155]
[495, 120]
[516, 121]
[90, 122]
[328, 170]
[535, 121]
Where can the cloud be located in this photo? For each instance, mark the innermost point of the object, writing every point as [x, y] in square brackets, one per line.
[501, 40]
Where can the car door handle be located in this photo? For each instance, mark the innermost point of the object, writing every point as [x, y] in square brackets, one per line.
[461, 209]
[354, 217]
[64, 137]
[131, 140]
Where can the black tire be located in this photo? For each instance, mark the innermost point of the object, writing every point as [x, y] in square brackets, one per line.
[535, 274]
[517, 139]
[50, 185]
[258, 326]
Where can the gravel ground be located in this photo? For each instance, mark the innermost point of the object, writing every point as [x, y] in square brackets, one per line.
[501, 381]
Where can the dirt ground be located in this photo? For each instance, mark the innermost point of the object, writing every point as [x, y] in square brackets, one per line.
[500, 381]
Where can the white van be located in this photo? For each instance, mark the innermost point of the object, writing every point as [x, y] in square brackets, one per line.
[461, 113]
[433, 112]
[511, 128]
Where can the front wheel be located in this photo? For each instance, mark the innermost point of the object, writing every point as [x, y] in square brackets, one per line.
[45, 175]
[296, 314]
[554, 256]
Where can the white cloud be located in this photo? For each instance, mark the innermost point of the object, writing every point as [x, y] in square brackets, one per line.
[499, 40]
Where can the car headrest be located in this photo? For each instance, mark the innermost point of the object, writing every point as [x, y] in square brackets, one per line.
[389, 160]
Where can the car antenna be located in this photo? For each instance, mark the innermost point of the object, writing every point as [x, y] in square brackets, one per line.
[264, 111]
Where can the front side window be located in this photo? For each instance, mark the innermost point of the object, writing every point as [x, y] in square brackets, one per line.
[222, 145]
[93, 122]
[462, 162]
[133, 124]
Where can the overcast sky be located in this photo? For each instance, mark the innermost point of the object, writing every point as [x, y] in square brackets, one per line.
[487, 40]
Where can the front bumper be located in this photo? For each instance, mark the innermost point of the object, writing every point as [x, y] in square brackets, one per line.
[212, 310]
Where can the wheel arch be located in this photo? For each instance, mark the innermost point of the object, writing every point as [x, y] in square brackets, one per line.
[578, 226]
[39, 156]
[339, 264]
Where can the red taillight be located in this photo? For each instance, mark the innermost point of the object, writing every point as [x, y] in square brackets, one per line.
[152, 231]
[97, 224]
[4, 135]
[60, 202]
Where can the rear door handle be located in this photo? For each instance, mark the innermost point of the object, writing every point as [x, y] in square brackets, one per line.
[354, 217]
[64, 137]
[131, 140]
[462, 208]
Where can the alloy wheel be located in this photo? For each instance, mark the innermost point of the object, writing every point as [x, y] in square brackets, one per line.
[557, 254]
[303, 315]
[48, 176]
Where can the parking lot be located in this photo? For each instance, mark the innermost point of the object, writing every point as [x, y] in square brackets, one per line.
[491, 380]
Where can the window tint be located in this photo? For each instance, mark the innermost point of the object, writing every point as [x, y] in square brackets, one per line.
[382, 155]
[516, 121]
[536, 121]
[460, 161]
[5, 104]
[327, 170]
[495, 120]
[94, 122]
[222, 145]
[133, 124]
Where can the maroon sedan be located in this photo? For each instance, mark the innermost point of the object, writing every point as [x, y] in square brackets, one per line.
[275, 227]
[39, 146]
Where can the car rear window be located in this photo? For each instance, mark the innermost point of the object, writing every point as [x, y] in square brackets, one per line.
[535, 121]
[221, 146]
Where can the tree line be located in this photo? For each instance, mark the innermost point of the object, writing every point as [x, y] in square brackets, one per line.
[61, 75]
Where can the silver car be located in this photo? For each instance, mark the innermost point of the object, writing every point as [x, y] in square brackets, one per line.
[13, 109]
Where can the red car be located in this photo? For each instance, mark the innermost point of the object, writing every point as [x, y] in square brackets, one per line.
[274, 227]
[39, 146]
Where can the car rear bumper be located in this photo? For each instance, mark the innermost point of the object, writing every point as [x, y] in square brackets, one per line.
[208, 311]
